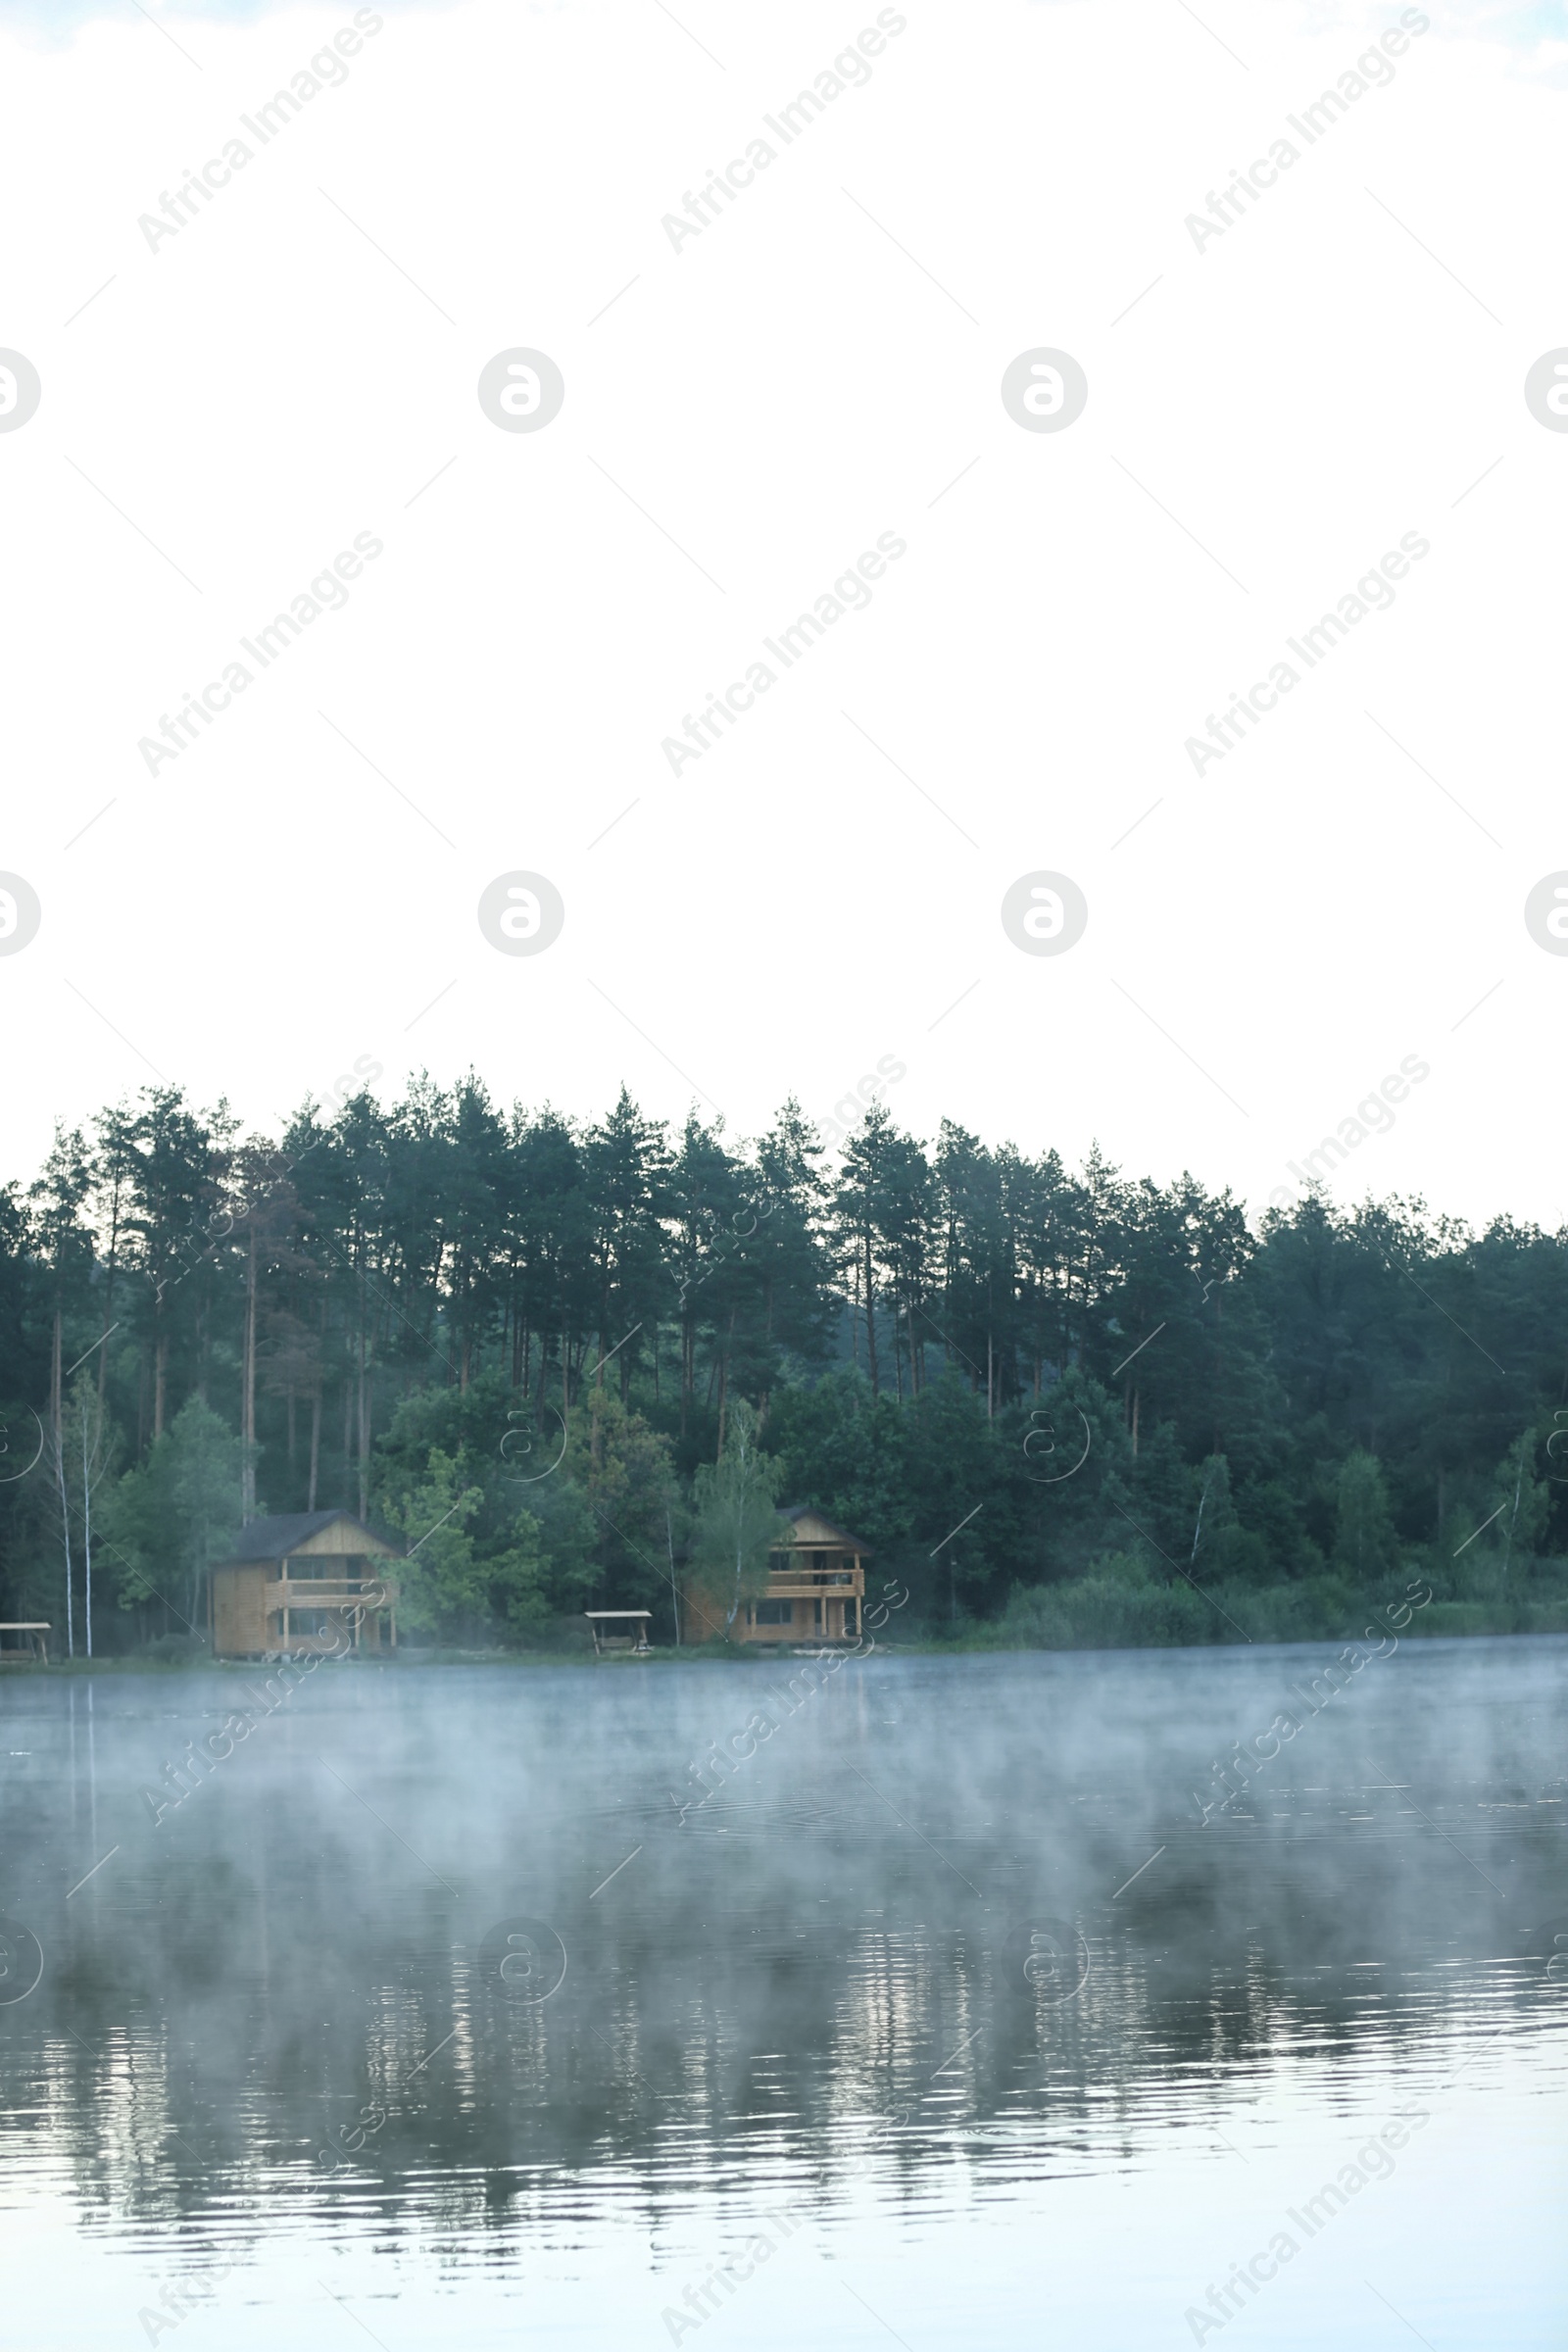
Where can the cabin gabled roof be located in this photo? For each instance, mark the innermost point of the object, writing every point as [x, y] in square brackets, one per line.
[275, 1539]
[824, 1534]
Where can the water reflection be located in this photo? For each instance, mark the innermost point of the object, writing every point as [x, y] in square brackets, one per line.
[447, 1961]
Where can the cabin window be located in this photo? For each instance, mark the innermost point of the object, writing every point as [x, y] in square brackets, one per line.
[774, 1612]
[313, 1621]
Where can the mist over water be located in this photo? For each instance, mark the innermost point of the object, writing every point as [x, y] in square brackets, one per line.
[946, 2012]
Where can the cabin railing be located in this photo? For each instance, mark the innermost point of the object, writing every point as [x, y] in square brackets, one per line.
[322, 1593]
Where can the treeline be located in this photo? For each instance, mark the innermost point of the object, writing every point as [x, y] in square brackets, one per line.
[1065, 1402]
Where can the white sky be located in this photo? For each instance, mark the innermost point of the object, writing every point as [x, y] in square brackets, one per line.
[814, 369]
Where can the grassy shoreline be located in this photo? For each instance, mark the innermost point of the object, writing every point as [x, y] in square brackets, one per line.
[1523, 1619]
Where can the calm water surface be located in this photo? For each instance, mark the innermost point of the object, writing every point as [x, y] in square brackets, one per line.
[948, 2019]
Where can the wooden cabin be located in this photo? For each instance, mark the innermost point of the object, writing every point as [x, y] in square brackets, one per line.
[299, 1583]
[815, 1586]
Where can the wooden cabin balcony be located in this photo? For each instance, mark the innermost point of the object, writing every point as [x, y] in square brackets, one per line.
[323, 1593]
[329, 1602]
[791, 1582]
[311, 1612]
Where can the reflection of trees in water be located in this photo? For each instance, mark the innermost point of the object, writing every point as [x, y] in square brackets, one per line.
[281, 2022]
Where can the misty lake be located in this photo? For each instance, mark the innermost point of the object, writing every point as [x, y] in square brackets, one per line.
[971, 2008]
